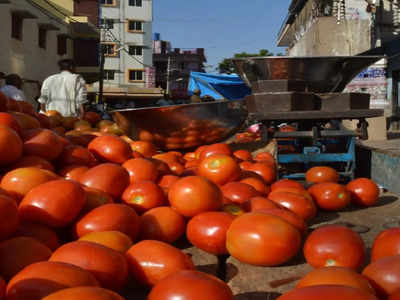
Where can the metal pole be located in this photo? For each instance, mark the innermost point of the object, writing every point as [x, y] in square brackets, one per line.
[101, 80]
[168, 71]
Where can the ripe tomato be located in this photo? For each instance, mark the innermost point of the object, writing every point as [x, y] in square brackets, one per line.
[176, 168]
[265, 157]
[219, 168]
[233, 209]
[207, 231]
[95, 198]
[42, 142]
[84, 292]
[395, 296]
[258, 184]
[146, 148]
[151, 261]
[92, 117]
[163, 224]
[110, 148]
[115, 240]
[238, 192]
[243, 155]
[384, 275]
[214, 149]
[289, 216]
[19, 182]
[143, 196]
[327, 292]
[108, 266]
[193, 195]
[193, 285]
[73, 172]
[257, 203]
[245, 165]
[45, 204]
[336, 276]
[387, 243]
[334, 245]
[286, 183]
[10, 146]
[25, 121]
[8, 120]
[23, 251]
[76, 155]
[116, 217]
[297, 203]
[363, 191]
[110, 178]
[43, 278]
[34, 162]
[330, 195]
[166, 181]
[322, 174]
[266, 171]
[263, 240]
[8, 216]
[140, 169]
[42, 233]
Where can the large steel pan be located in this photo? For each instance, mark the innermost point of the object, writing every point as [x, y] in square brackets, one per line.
[183, 126]
[322, 74]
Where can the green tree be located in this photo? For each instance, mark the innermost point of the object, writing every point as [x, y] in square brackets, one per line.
[227, 66]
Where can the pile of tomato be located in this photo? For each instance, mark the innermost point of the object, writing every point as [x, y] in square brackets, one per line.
[88, 213]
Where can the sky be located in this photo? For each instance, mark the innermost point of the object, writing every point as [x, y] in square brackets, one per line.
[222, 27]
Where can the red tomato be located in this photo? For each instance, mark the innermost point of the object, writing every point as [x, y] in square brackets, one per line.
[8, 216]
[290, 217]
[110, 178]
[19, 252]
[42, 142]
[336, 276]
[193, 285]
[297, 203]
[193, 195]
[330, 195]
[76, 155]
[110, 148]
[207, 231]
[258, 184]
[115, 240]
[118, 217]
[257, 203]
[214, 149]
[140, 169]
[108, 266]
[286, 183]
[45, 204]
[384, 275]
[233, 209]
[245, 165]
[19, 182]
[146, 148]
[395, 296]
[42, 233]
[266, 171]
[10, 146]
[219, 168]
[327, 292]
[238, 192]
[263, 240]
[151, 261]
[84, 292]
[387, 243]
[43, 278]
[95, 198]
[363, 191]
[8, 120]
[73, 172]
[176, 168]
[243, 155]
[163, 224]
[25, 121]
[166, 181]
[334, 245]
[33, 161]
[143, 196]
[265, 157]
[322, 174]
[92, 117]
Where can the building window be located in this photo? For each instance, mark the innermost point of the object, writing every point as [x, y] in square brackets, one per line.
[61, 45]
[109, 74]
[136, 50]
[107, 23]
[110, 49]
[16, 26]
[135, 26]
[135, 75]
[42, 38]
[135, 3]
[109, 2]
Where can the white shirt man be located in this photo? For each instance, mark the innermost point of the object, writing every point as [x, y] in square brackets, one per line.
[64, 92]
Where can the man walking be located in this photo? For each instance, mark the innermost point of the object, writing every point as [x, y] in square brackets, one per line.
[64, 92]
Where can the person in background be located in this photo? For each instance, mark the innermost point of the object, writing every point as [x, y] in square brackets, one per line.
[13, 87]
[195, 98]
[2, 79]
[64, 92]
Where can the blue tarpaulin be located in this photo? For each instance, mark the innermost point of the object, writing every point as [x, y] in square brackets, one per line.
[218, 86]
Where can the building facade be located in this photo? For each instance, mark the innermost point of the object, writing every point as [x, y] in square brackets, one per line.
[36, 34]
[346, 27]
[126, 37]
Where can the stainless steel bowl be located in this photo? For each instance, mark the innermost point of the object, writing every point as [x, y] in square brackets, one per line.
[183, 126]
[322, 74]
